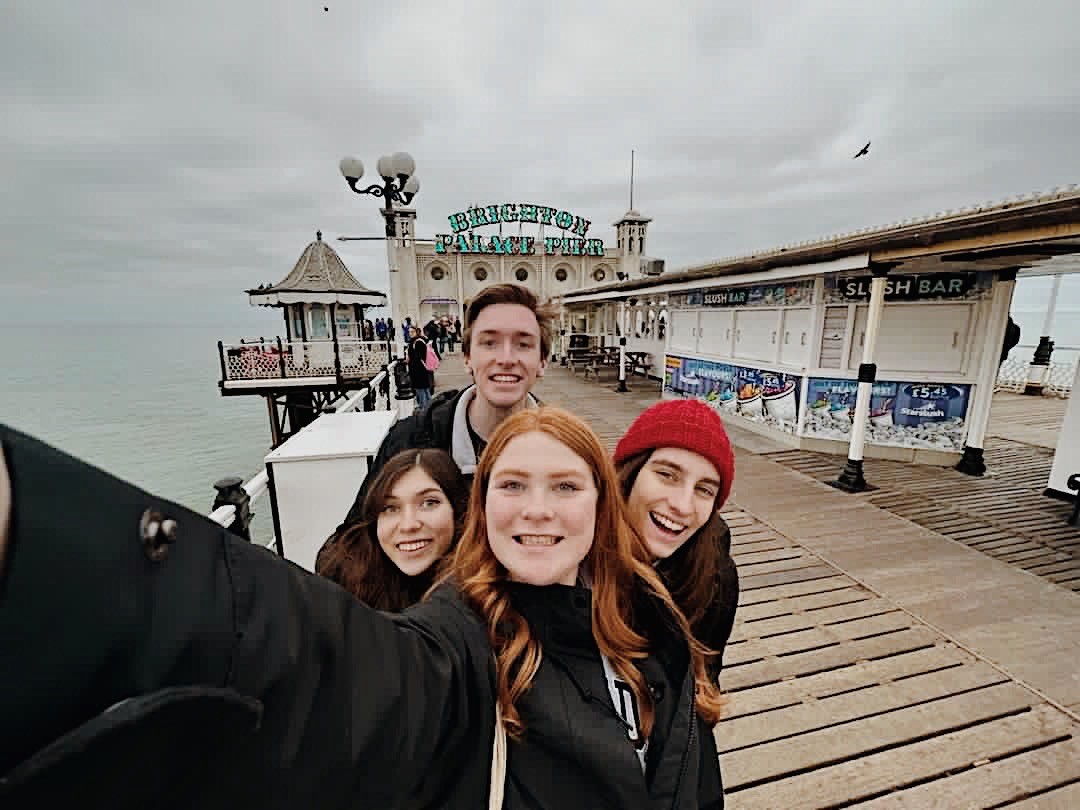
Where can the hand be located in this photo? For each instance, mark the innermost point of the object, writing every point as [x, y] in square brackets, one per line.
[5, 507]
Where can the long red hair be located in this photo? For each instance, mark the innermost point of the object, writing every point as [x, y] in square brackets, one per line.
[618, 563]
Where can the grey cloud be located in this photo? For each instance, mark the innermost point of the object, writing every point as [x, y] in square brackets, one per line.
[187, 152]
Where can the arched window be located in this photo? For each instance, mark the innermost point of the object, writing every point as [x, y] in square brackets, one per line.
[521, 274]
[561, 274]
[599, 274]
[480, 273]
[438, 273]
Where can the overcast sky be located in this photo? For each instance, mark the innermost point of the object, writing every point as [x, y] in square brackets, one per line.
[157, 159]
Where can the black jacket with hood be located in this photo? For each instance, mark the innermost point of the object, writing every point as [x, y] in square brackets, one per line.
[207, 672]
[713, 629]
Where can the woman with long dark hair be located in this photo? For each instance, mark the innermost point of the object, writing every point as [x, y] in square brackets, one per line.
[412, 516]
[676, 468]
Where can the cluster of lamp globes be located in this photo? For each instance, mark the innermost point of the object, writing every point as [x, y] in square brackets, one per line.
[398, 172]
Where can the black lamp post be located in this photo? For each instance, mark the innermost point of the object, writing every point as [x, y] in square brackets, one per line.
[399, 183]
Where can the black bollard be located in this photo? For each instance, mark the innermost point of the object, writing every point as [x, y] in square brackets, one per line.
[401, 381]
[231, 492]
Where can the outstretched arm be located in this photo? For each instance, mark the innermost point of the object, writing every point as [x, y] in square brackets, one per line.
[110, 593]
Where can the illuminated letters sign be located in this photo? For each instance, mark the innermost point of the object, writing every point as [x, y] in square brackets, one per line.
[463, 240]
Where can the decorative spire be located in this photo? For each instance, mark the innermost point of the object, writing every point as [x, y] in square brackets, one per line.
[318, 236]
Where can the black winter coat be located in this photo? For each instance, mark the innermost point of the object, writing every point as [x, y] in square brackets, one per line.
[714, 628]
[419, 376]
[206, 672]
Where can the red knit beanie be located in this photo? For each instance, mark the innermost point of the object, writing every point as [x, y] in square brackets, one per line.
[686, 423]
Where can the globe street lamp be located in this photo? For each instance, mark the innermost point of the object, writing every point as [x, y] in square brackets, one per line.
[399, 183]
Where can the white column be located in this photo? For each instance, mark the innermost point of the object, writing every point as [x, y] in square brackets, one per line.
[978, 414]
[851, 479]
[396, 294]
[1040, 363]
[461, 289]
[622, 348]
[1051, 307]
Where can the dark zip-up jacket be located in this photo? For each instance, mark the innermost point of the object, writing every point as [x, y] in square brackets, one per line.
[207, 672]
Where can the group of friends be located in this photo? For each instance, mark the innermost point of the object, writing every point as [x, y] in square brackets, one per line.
[500, 580]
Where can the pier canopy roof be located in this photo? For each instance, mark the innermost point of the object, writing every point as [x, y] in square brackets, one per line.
[1037, 234]
[319, 277]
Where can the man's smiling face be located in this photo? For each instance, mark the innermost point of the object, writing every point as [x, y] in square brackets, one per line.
[504, 354]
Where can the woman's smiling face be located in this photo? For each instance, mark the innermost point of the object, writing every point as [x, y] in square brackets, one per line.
[540, 510]
[673, 496]
[415, 526]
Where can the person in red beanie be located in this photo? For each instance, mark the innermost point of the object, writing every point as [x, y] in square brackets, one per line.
[676, 467]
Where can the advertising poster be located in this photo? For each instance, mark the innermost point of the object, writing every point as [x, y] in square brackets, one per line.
[752, 393]
[920, 415]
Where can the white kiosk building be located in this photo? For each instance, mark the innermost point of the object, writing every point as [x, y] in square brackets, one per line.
[883, 342]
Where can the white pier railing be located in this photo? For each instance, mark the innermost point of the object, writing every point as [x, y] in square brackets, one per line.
[1058, 382]
[278, 359]
[376, 395]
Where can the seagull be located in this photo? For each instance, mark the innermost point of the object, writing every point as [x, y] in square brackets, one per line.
[864, 151]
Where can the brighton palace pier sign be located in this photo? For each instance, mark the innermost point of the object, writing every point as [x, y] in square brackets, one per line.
[461, 242]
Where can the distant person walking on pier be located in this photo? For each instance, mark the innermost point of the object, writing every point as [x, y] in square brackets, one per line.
[443, 335]
[676, 468]
[421, 378]
[431, 332]
[451, 336]
[380, 329]
[507, 338]
[412, 518]
[1012, 339]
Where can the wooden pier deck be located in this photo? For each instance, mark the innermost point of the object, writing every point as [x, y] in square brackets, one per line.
[877, 662]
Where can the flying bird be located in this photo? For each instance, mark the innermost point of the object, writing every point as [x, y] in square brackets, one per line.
[864, 151]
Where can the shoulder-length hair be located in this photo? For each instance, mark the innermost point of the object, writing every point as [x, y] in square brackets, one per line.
[358, 563]
[693, 572]
[617, 563]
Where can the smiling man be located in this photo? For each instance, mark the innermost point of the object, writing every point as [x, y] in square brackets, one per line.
[507, 339]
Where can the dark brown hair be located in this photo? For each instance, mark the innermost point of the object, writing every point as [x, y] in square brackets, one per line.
[511, 294]
[693, 572]
[356, 561]
[617, 561]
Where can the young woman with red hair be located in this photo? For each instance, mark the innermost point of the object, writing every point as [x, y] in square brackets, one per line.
[269, 686]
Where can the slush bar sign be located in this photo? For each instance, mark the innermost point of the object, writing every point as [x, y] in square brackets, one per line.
[461, 242]
[910, 288]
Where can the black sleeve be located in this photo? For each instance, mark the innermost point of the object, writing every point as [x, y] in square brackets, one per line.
[721, 616]
[353, 701]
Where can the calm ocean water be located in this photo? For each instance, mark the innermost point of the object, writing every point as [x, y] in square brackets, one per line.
[140, 401]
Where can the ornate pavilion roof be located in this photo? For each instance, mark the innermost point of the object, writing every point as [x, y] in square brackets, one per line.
[319, 277]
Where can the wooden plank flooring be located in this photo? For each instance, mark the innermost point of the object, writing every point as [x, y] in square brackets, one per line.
[839, 698]
[1027, 419]
[1003, 514]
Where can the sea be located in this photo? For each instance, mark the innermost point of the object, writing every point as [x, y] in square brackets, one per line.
[139, 401]
[142, 401]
